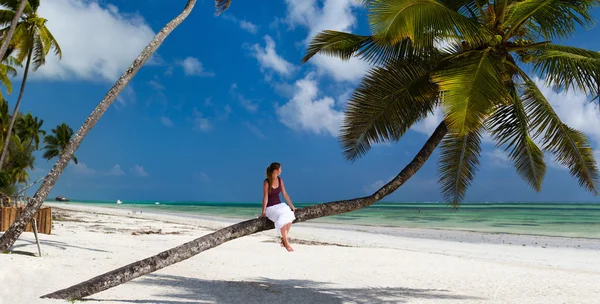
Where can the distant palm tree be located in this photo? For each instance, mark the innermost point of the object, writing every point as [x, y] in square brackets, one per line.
[57, 142]
[31, 40]
[29, 128]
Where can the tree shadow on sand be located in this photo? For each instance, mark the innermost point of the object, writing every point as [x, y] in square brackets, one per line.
[27, 244]
[263, 290]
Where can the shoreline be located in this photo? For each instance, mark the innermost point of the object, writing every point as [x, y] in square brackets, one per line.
[331, 264]
[456, 235]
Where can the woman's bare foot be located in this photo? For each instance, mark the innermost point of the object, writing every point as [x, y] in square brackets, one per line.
[289, 248]
[282, 244]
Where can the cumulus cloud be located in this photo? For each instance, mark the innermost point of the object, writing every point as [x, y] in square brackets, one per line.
[139, 171]
[249, 26]
[306, 111]
[82, 169]
[193, 67]
[165, 121]
[200, 122]
[97, 41]
[269, 59]
[335, 15]
[116, 171]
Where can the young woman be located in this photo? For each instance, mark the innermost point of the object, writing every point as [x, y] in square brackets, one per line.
[273, 208]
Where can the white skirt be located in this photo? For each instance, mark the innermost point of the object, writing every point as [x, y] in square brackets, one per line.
[280, 214]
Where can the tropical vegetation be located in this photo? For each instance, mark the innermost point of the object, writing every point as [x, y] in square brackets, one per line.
[23, 144]
[31, 41]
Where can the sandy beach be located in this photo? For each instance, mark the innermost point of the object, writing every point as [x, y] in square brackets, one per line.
[331, 264]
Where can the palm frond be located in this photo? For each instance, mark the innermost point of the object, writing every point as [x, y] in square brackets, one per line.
[570, 147]
[422, 21]
[221, 6]
[566, 67]
[509, 126]
[470, 86]
[550, 19]
[386, 104]
[459, 159]
[346, 45]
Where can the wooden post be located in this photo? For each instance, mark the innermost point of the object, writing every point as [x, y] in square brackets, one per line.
[37, 240]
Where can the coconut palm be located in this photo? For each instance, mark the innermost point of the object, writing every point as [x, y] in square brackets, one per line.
[478, 78]
[58, 141]
[11, 235]
[29, 129]
[31, 40]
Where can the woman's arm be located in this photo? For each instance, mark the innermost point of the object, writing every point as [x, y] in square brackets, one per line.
[286, 196]
[265, 197]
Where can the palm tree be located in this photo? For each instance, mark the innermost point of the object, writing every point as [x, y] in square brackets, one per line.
[13, 25]
[13, 233]
[58, 141]
[29, 128]
[32, 40]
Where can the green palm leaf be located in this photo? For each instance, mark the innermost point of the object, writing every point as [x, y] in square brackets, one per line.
[567, 67]
[346, 45]
[387, 103]
[509, 126]
[570, 147]
[549, 18]
[458, 163]
[471, 84]
[422, 21]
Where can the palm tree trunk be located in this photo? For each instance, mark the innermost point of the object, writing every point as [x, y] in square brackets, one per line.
[11, 30]
[15, 230]
[16, 110]
[188, 250]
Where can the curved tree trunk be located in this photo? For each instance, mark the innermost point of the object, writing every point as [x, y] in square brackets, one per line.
[15, 230]
[10, 33]
[189, 249]
[15, 110]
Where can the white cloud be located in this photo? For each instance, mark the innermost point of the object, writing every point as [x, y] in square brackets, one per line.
[305, 112]
[200, 122]
[498, 158]
[246, 103]
[83, 169]
[165, 121]
[254, 129]
[376, 185]
[97, 42]
[139, 171]
[249, 26]
[269, 59]
[332, 15]
[193, 67]
[203, 177]
[116, 171]
[574, 109]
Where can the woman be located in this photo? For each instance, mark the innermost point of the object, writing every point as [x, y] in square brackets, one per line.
[273, 208]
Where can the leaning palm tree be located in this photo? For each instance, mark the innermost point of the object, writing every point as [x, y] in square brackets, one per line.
[58, 141]
[31, 40]
[477, 78]
[15, 230]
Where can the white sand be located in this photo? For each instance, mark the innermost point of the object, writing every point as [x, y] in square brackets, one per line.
[378, 267]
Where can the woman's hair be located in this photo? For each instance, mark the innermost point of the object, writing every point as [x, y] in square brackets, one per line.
[272, 167]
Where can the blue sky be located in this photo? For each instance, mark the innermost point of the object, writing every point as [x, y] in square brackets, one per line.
[227, 95]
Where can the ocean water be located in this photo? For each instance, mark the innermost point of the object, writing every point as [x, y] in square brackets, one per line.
[551, 219]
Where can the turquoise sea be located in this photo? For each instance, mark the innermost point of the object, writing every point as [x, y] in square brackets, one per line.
[553, 219]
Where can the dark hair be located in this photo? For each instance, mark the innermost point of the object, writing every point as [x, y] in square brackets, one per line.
[272, 167]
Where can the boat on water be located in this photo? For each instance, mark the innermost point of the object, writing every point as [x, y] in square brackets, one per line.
[61, 199]
[119, 202]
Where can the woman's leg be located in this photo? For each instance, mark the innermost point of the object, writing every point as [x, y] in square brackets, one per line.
[284, 237]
